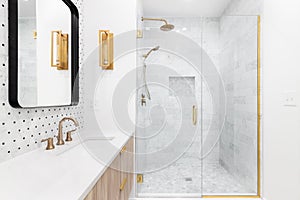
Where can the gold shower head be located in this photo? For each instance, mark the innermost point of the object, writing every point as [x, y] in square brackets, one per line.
[165, 27]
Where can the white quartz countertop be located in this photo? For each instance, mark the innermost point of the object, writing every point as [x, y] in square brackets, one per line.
[68, 172]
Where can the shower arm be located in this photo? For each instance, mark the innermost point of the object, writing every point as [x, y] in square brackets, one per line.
[154, 19]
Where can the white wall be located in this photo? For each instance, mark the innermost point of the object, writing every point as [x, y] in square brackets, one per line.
[115, 15]
[281, 74]
[120, 18]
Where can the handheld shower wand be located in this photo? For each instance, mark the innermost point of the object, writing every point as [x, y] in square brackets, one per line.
[145, 70]
[147, 55]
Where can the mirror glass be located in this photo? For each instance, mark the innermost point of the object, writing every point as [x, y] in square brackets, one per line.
[46, 65]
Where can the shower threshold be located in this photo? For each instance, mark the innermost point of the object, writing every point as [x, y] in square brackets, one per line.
[145, 196]
[179, 198]
[194, 198]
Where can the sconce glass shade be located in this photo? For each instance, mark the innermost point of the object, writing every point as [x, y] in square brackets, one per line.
[106, 49]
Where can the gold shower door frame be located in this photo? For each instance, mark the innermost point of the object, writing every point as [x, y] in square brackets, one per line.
[259, 152]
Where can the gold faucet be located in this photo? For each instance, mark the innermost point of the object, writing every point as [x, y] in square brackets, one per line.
[60, 140]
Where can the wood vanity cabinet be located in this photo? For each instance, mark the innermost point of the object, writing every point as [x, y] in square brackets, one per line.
[127, 159]
[117, 181]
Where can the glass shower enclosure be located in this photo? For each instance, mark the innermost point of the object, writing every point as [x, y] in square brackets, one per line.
[198, 129]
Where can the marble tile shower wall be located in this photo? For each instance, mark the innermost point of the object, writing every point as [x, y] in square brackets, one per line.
[205, 32]
[21, 130]
[244, 7]
[239, 64]
[238, 145]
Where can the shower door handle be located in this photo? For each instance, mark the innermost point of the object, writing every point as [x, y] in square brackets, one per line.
[195, 115]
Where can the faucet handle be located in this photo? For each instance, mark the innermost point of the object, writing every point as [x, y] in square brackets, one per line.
[50, 144]
[69, 135]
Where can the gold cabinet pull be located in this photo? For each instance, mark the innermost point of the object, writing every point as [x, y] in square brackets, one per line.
[195, 115]
[122, 186]
[123, 149]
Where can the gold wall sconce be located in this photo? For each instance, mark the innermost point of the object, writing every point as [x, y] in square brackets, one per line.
[59, 50]
[106, 49]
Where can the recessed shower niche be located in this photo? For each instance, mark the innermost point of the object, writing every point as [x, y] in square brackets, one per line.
[184, 86]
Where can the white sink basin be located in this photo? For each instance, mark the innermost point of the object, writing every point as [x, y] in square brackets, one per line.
[96, 141]
[98, 138]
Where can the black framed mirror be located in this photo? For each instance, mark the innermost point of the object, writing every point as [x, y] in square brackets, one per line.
[43, 53]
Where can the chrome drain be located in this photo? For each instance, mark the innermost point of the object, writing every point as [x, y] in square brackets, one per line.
[188, 179]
